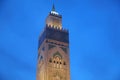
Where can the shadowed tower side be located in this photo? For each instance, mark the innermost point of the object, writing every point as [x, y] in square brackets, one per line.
[53, 50]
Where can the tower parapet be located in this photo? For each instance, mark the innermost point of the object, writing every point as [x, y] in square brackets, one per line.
[54, 33]
[56, 28]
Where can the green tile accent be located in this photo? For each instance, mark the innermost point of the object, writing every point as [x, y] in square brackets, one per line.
[51, 46]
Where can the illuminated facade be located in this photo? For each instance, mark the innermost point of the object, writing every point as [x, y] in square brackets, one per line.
[53, 50]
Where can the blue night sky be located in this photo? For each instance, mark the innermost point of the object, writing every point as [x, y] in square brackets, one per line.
[94, 27]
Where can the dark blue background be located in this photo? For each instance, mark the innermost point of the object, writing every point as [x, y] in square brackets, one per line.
[94, 27]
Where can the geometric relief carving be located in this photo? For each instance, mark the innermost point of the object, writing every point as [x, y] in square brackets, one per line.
[59, 75]
[56, 76]
[64, 49]
[57, 54]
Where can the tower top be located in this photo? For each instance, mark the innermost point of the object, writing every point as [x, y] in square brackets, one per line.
[54, 19]
[53, 11]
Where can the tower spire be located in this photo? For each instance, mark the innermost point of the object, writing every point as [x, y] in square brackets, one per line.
[53, 11]
[53, 7]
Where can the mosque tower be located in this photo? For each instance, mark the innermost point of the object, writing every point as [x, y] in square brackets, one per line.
[53, 50]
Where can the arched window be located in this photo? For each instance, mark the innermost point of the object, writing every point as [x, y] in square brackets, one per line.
[64, 63]
[60, 63]
[50, 60]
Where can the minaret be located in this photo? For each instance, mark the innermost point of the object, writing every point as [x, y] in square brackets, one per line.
[53, 50]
